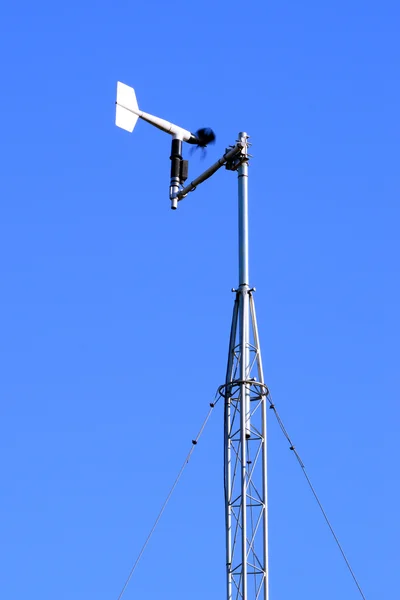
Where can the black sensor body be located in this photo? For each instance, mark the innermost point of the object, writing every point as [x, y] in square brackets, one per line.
[179, 167]
[176, 157]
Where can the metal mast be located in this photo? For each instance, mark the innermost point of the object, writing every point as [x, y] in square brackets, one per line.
[245, 443]
[244, 392]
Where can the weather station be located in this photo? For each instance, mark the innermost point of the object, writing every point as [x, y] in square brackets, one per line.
[244, 393]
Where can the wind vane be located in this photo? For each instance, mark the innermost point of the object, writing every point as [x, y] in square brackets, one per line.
[127, 114]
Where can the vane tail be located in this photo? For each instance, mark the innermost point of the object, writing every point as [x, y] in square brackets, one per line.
[127, 107]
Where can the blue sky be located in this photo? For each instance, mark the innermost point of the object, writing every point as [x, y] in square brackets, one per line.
[116, 310]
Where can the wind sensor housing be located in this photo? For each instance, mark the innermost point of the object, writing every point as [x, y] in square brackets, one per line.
[126, 116]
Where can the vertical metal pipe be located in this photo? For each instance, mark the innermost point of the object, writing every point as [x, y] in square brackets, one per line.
[244, 348]
[243, 440]
[243, 218]
[228, 498]
[227, 448]
[264, 448]
[244, 276]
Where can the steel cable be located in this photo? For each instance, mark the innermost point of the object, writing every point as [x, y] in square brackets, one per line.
[167, 499]
[186, 461]
[292, 447]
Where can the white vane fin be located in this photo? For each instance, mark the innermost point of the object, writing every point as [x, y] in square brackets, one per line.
[126, 108]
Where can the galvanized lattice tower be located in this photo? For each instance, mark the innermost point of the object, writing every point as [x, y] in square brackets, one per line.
[245, 398]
